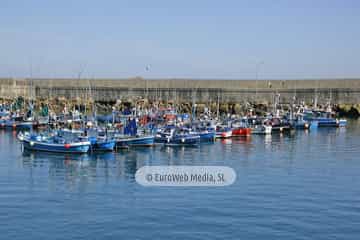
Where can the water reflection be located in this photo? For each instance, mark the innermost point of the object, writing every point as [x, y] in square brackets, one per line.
[242, 139]
[267, 140]
[226, 141]
[79, 171]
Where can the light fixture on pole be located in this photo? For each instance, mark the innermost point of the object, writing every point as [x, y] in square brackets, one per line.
[257, 76]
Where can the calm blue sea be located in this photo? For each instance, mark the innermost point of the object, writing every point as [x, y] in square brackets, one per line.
[300, 186]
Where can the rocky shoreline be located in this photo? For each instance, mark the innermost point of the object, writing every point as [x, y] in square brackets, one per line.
[103, 107]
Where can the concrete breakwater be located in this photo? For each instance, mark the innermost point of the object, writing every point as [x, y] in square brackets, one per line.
[340, 92]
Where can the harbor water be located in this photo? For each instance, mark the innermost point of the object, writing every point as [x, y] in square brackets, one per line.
[303, 185]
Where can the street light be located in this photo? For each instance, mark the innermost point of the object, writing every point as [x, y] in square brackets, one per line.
[147, 69]
[257, 74]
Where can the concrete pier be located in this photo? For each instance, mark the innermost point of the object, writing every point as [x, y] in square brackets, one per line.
[339, 91]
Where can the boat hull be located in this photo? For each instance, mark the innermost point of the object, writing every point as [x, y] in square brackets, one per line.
[302, 125]
[207, 137]
[108, 145]
[327, 122]
[281, 128]
[342, 122]
[17, 125]
[147, 141]
[224, 134]
[82, 147]
[241, 132]
[189, 140]
[183, 141]
[261, 130]
[314, 125]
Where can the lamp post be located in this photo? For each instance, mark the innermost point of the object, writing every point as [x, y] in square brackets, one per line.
[147, 69]
[256, 77]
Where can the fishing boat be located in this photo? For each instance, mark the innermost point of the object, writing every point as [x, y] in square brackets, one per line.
[205, 136]
[124, 141]
[102, 144]
[4, 114]
[67, 118]
[17, 123]
[240, 128]
[342, 122]
[261, 129]
[223, 132]
[300, 123]
[241, 131]
[42, 119]
[173, 136]
[55, 143]
[131, 137]
[41, 122]
[206, 132]
[280, 125]
[98, 138]
[259, 125]
[324, 119]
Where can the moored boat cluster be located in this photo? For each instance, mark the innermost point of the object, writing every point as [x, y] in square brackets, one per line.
[75, 132]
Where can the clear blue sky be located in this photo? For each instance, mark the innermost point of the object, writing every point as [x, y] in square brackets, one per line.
[191, 39]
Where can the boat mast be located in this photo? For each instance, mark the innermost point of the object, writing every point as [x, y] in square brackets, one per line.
[316, 95]
[218, 106]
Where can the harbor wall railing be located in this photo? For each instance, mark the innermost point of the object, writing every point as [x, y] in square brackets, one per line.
[338, 91]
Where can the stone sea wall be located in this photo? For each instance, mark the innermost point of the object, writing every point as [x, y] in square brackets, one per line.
[339, 91]
[227, 95]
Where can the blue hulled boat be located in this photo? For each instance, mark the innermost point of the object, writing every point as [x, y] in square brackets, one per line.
[18, 123]
[206, 136]
[342, 122]
[124, 141]
[102, 144]
[327, 122]
[177, 137]
[324, 119]
[131, 138]
[300, 123]
[98, 139]
[55, 143]
[206, 131]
